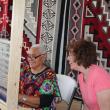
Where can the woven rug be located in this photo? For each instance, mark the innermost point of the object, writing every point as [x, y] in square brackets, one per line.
[5, 29]
[91, 20]
[53, 23]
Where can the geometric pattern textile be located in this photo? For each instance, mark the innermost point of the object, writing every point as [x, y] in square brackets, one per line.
[5, 18]
[48, 22]
[75, 19]
[96, 27]
[39, 25]
[75, 24]
[30, 25]
[90, 19]
[5, 29]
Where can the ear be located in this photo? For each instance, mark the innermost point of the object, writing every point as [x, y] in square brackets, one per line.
[44, 57]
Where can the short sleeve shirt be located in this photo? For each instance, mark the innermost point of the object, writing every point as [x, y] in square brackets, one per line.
[98, 80]
[44, 82]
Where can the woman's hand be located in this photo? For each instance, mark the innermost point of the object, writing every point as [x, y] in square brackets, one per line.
[32, 101]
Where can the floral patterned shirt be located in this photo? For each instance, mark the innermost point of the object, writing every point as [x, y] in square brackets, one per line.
[44, 82]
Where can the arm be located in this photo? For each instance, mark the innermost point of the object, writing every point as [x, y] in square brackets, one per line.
[104, 99]
[32, 101]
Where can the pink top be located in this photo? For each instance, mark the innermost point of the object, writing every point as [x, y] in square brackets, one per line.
[98, 80]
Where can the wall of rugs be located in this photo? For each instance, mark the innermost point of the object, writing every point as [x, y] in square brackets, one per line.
[53, 23]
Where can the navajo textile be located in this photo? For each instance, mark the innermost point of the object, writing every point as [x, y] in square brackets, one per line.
[88, 18]
[53, 23]
[5, 18]
[91, 20]
[96, 26]
[5, 29]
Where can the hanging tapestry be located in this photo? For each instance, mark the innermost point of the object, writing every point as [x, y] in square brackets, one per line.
[5, 29]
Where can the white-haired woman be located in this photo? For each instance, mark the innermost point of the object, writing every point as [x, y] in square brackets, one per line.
[38, 87]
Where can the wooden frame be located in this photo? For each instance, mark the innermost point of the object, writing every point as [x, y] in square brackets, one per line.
[14, 56]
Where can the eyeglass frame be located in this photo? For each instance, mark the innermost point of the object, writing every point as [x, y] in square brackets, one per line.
[34, 58]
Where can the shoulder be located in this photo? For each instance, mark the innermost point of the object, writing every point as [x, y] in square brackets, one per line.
[98, 71]
[50, 73]
[100, 78]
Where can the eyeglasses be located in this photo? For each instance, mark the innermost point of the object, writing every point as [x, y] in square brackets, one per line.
[34, 57]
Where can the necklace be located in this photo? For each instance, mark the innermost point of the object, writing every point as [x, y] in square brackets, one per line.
[34, 76]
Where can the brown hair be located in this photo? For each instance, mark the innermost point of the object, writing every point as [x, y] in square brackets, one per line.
[84, 52]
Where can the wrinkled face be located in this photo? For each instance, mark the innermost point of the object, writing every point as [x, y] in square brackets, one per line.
[71, 61]
[35, 58]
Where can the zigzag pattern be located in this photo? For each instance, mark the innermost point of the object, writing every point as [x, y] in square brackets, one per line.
[98, 26]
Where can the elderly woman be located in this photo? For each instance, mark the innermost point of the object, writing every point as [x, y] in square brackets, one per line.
[94, 80]
[38, 87]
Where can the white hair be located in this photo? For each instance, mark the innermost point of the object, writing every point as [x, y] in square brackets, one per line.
[41, 48]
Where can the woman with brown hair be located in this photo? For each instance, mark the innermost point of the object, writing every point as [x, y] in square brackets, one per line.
[94, 81]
